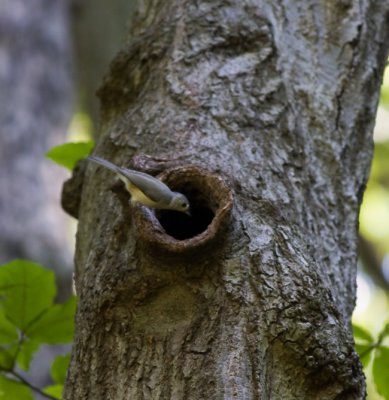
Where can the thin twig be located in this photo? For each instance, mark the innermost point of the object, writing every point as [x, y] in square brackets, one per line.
[31, 386]
[373, 346]
[369, 349]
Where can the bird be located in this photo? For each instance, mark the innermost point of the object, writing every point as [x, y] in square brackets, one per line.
[145, 189]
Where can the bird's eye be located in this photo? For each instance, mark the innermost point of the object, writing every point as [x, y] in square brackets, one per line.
[184, 205]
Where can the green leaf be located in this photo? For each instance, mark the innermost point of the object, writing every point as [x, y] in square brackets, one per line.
[26, 352]
[381, 371]
[362, 334]
[54, 390]
[7, 357]
[68, 154]
[59, 368]
[13, 390]
[8, 331]
[26, 291]
[364, 351]
[384, 98]
[56, 325]
[385, 332]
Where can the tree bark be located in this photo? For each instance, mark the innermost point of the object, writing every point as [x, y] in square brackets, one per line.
[262, 113]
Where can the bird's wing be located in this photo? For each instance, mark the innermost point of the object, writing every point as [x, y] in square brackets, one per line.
[152, 187]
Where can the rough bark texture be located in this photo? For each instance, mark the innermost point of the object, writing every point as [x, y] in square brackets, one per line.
[278, 99]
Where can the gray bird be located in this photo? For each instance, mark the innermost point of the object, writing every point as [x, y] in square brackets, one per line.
[145, 189]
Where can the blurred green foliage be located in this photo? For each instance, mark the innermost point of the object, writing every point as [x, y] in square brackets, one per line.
[384, 95]
[374, 351]
[29, 318]
[374, 227]
[374, 216]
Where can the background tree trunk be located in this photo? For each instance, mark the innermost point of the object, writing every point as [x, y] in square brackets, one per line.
[99, 29]
[36, 105]
[279, 99]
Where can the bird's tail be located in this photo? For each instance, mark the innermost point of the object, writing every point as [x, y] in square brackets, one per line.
[104, 163]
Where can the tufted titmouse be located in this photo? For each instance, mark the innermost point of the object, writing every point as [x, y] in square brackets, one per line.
[147, 190]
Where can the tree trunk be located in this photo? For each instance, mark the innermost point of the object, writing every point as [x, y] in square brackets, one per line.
[262, 113]
[35, 109]
[95, 47]
[35, 97]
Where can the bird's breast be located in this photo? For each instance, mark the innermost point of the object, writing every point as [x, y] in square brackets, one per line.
[137, 196]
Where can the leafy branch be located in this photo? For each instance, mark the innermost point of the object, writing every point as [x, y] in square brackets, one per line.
[31, 386]
[29, 318]
[375, 352]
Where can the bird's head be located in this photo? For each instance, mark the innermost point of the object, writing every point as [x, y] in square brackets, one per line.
[180, 203]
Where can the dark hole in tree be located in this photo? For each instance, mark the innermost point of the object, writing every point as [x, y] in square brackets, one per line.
[182, 226]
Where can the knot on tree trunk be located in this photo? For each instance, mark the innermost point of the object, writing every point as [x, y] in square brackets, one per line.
[211, 203]
[72, 190]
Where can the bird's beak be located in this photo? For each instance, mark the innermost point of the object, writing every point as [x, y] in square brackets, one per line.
[188, 213]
